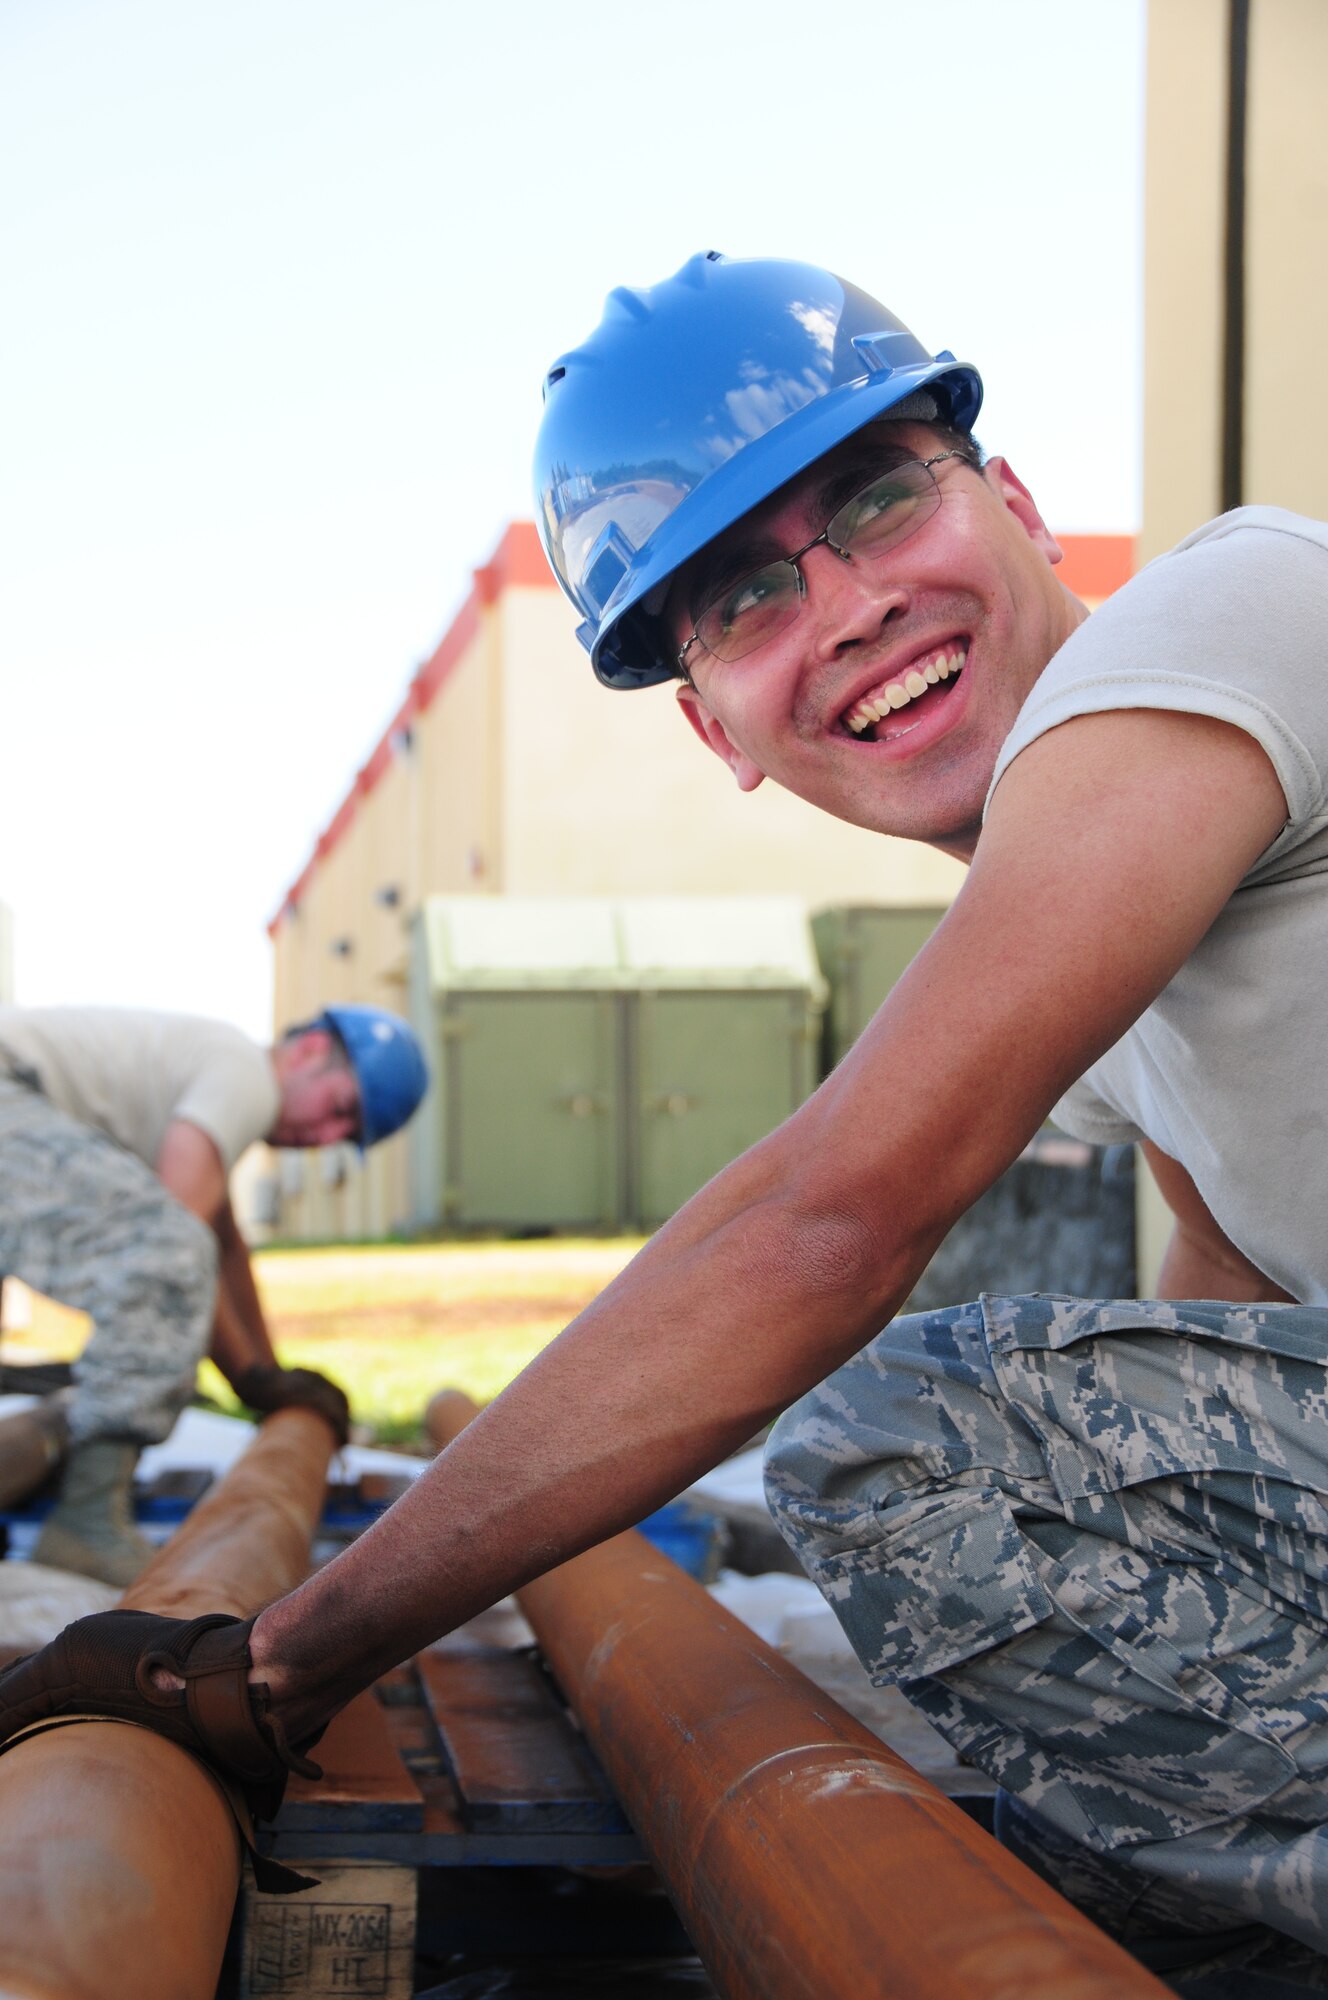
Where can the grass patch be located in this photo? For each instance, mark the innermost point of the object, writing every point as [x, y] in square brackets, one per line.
[395, 1323]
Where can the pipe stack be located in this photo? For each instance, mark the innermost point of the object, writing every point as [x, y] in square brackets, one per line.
[807, 1860]
[119, 1857]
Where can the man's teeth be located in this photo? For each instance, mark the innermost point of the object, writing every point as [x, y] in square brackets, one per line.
[898, 694]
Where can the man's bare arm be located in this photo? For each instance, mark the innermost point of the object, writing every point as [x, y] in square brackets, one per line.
[235, 1345]
[240, 1336]
[1112, 844]
[1201, 1262]
[189, 1166]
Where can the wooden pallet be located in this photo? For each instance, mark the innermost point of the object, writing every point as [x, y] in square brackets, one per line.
[466, 1757]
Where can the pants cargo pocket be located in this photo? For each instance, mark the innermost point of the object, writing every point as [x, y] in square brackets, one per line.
[949, 1576]
[1151, 1743]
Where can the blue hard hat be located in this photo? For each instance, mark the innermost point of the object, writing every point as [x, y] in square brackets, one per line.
[690, 404]
[389, 1066]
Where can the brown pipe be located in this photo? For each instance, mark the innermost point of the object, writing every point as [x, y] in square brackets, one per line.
[248, 1539]
[807, 1860]
[119, 1858]
[32, 1444]
[448, 1414]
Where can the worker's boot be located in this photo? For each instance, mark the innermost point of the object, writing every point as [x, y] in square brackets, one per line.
[91, 1527]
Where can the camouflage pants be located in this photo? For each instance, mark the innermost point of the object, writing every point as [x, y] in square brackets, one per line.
[1090, 1541]
[86, 1223]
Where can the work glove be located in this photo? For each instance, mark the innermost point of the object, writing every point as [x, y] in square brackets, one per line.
[102, 1666]
[268, 1388]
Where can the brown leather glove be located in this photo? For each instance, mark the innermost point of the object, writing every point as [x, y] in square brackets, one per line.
[103, 1665]
[269, 1388]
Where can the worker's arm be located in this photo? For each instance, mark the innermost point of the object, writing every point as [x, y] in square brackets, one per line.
[240, 1337]
[1201, 1262]
[1111, 845]
[191, 1168]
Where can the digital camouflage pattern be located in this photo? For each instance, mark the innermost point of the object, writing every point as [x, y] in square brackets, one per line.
[1090, 1541]
[1206, 1948]
[86, 1223]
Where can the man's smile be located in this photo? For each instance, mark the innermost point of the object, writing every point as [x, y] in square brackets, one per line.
[901, 699]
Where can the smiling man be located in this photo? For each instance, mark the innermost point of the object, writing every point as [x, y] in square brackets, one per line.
[980, 583]
[118, 1130]
[1087, 1537]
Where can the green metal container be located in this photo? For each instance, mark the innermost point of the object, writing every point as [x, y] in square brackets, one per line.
[596, 1060]
[863, 949]
[723, 1037]
[517, 1000]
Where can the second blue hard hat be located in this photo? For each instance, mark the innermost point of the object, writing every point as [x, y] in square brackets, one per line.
[690, 404]
[389, 1067]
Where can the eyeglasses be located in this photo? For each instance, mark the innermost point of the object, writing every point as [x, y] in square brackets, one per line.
[751, 612]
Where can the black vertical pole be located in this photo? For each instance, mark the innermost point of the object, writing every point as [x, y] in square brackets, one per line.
[1233, 288]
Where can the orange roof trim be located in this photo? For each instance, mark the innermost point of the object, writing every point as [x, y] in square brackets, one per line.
[1095, 565]
[519, 563]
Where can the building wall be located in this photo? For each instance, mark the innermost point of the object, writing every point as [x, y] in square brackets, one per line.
[1286, 270]
[1286, 293]
[453, 756]
[421, 817]
[1287, 256]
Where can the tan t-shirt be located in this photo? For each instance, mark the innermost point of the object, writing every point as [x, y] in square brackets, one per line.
[132, 1073]
[1225, 1071]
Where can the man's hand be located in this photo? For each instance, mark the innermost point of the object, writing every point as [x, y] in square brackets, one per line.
[187, 1679]
[271, 1388]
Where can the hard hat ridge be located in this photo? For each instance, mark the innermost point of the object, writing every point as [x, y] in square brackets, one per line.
[692, 402]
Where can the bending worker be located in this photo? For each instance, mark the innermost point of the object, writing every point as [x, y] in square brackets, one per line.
[118, 1131]
[1088, 1538]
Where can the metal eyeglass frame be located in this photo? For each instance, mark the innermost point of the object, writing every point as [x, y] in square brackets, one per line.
[793, 560]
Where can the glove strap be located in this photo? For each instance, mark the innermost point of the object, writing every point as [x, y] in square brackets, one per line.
[225, 1711]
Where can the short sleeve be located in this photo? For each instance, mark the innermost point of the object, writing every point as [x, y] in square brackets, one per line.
[1086, 1113]
[1230, 624]
[233, 1097]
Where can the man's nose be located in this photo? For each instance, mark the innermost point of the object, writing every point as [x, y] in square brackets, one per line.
[850, 601]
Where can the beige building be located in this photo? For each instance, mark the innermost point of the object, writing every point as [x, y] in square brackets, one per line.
[1235, 263]
[509, 771]
[1235, 286]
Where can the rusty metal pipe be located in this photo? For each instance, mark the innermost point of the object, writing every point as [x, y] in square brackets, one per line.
[248, 1539]
[119, 1858]
[448, 1414]
[32, 1444]
[807, 1860]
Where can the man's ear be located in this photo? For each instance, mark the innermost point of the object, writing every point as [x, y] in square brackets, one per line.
[1017, 500]
[714, 735]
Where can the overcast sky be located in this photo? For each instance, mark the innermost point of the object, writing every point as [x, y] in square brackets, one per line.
[281, 282]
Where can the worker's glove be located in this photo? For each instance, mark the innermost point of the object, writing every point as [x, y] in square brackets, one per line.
[103, 1666]
[269, 1388]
